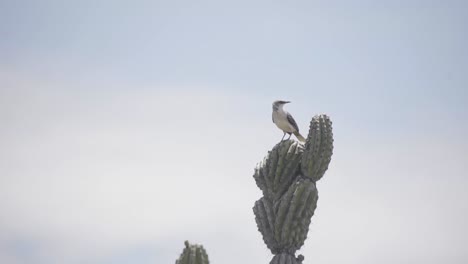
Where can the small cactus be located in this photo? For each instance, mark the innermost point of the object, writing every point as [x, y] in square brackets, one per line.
[287, 177]
[193, 254]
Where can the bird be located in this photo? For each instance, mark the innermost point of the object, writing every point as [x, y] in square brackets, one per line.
[284, 121]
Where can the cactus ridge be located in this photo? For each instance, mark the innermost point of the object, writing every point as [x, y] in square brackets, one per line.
[291, 168]
[278, 169]
[282, 153]
[322, 154]
[265, 217]
[298, 208]
[318, 148]
[284, 228]
[327, 146]
[312, 145]
[193, 254]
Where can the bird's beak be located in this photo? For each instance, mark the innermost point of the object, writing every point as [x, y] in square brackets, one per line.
[287, 102]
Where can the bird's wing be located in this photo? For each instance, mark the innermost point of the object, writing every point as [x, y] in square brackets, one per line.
[292, 121]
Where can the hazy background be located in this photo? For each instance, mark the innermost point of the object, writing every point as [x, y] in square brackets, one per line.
[128, 127]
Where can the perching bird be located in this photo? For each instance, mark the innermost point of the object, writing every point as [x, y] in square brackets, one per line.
[285, 121]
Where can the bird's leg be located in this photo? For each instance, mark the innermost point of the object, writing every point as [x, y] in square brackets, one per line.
[284, 134]
[289, 136]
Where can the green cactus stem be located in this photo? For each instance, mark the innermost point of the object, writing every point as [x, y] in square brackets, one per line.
[318, 148]
[294, 214]
[279, 169]
[287, 259]
[193, 254]
[287, 177]
[265, 217]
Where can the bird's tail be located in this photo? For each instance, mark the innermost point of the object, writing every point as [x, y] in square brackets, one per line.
[299, 136]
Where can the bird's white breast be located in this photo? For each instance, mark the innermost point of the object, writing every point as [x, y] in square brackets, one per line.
[281, 121]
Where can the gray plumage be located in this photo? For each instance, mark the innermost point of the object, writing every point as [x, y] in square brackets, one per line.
[292, 121]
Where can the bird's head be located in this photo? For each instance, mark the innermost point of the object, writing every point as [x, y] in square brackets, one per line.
[279, 104]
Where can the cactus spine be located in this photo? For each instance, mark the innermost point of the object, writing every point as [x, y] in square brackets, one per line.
[193, 254]
[287, 177]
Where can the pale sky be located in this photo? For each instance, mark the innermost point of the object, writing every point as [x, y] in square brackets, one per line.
[128, 127]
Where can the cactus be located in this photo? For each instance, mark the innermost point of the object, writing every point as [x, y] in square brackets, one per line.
[287, 177]
[193, 254]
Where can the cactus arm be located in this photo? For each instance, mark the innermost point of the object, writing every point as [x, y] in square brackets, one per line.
[318, 148]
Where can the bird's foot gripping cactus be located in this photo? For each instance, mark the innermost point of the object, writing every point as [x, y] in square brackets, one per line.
[287, 177]
[193, 254]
